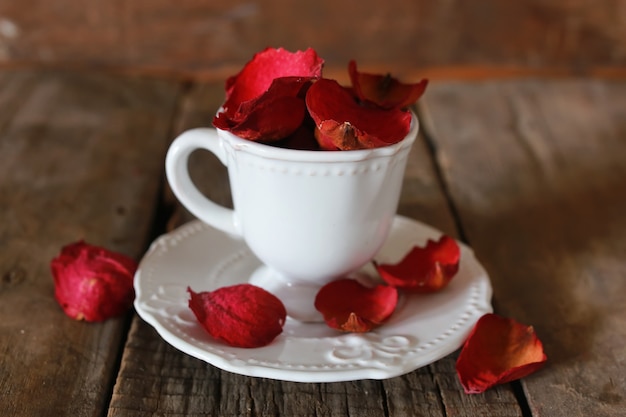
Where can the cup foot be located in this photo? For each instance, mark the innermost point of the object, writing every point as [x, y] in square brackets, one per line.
[298, 297]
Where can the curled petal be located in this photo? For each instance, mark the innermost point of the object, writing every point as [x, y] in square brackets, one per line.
[498, 350]
[240, 315]
[384, 90]
[92, 283]
[268, 119]
[349, 306]
[265, 100]
[425, 269]
[342, 124]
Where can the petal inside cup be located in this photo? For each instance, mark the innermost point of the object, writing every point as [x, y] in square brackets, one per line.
[343, 124]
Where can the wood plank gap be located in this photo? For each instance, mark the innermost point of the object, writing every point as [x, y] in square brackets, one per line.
[160, 214]
[520, 395]
[164, 208]
[427, 129]
[384, 400]
[115, 369]
[428, 132]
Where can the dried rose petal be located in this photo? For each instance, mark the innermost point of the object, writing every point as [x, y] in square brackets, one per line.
[349, 306]
[425, 269]
[270, 118]
[498, 350]
[241, 315]
[258, 74]
[93, 283]
[384, 90]
[341, 123]
[265, 99]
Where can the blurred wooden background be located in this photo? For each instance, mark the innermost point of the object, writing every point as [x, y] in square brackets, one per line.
[210, 39]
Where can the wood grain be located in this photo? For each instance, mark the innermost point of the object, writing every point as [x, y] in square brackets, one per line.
[531, 173]
[196, 38]
[150, 380]
[78, 160]
[537, 173]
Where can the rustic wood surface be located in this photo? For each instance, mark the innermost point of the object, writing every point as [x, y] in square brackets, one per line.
[198, 38]
[80, 158]
[531, 173]
[537, 174]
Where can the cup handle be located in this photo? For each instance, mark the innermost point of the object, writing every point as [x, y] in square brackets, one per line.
[177, 173]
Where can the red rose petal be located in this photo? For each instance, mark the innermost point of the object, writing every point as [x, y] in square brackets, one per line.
[93, 283]
[268, 120]
[384, 90]
[258, 74]
[349, 306]
[266, 99]
[343, 124]
[240, 315]
[425, 269]
[498, 350]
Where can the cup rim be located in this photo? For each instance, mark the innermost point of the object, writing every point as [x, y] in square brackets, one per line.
[274, 152]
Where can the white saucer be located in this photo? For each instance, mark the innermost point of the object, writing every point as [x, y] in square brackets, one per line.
[423, 329]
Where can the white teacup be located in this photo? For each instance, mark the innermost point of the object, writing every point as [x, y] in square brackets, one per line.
[309, 216]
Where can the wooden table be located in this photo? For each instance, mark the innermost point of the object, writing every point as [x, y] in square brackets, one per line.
[530, 173]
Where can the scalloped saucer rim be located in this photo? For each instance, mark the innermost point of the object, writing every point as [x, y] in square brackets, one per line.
[423, 329]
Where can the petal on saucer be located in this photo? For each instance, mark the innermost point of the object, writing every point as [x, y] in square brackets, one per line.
[241, 315]
[349, 306]
[425, 269]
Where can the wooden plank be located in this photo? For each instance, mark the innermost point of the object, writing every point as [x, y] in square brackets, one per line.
[209, 37]
[537, 172]
[79, 158]
[155, 379]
